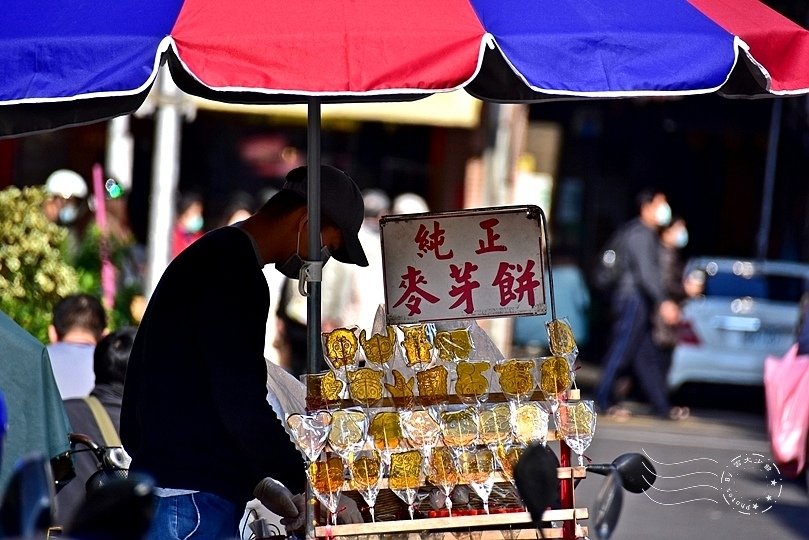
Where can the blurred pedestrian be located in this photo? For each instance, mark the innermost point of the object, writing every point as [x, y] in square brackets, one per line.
[290, 340]
[409, 203]
[79, 322]
[239, 206]
[195, 414]
[367, 291]
[110, 359]
[67, 206]
[188, 222]
[673, 238]
[638, 295]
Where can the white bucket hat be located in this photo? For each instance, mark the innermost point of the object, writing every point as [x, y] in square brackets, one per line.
[66, 183]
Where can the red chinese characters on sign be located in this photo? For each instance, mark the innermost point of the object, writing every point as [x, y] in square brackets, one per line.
[460, 265]
[489, 245]
[431, 241]
[516, 281]
[466, 285]
[413, 295]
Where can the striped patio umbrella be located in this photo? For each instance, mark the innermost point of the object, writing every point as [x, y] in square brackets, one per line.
[77, 61]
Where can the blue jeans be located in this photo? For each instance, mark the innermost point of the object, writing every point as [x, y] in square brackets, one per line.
[198, 516]
[631, 345]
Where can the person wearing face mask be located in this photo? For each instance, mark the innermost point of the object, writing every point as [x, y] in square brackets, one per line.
[195, 415]
[639, 296]
[188, 222]
[673, 238]
[66, 205]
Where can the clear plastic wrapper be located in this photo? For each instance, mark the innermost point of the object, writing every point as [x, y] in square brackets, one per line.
[310, 432]
[454, 345]
[340, 347]
[417, 346]
[517, 378]
[349, 427]
[472, 381]
[365, 386]
[379, 348]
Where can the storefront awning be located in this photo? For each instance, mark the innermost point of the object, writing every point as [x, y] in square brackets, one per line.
[451, 109]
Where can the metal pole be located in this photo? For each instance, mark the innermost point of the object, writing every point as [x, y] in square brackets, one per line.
[763, 236]
[313, 208]
[313, 299]
[165, 174]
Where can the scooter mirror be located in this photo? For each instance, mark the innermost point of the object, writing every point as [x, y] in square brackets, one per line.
[636, 471]
[607, 506]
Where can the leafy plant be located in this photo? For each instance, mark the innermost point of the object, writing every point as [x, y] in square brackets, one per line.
[34, 271]
[88, 267]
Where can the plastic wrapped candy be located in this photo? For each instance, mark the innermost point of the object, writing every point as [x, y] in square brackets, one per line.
[340, 348]
[454, 345]
[323, 389]
[560, 339]
[379, 348]
[432, 384]
[471, 383]
[459, 428]
[554, 378]
[402, 389]
[417, 346]
[386, 431]
[517, 378]
[365, 386]
[310, 431]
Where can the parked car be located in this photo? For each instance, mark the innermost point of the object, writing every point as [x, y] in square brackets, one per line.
[747, 311]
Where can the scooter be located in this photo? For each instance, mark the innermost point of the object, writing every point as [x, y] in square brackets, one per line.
[536, 478]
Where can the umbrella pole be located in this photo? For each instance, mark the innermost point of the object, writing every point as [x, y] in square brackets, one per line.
[165, 178]
[313, 287]
[313, 209]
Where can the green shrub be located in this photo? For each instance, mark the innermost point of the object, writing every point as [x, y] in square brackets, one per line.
[34, 271]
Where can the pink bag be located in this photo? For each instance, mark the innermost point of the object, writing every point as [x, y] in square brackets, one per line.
[786, 389]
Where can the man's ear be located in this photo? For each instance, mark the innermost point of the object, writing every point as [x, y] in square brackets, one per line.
[52, 334]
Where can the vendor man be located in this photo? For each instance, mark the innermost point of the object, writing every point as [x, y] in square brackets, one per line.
[195, 414]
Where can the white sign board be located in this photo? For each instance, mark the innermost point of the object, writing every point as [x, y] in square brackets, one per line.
[464, 265]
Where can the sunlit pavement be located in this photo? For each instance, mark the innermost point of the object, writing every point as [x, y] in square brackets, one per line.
[692, 456]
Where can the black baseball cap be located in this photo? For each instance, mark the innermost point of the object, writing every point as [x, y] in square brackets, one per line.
[341, 202]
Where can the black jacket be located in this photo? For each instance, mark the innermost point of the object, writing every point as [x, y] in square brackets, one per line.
[195, 414]
[641, 273]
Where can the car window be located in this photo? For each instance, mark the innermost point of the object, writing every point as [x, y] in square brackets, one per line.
[773, 287]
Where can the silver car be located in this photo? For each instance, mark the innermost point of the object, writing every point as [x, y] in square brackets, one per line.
[747, 311]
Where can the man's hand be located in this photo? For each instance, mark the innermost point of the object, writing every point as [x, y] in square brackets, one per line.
[347, 512]
[295, 523]
[669, 312]
[276, 498]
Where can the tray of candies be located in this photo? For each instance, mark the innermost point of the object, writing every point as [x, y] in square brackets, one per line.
[432, 406]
